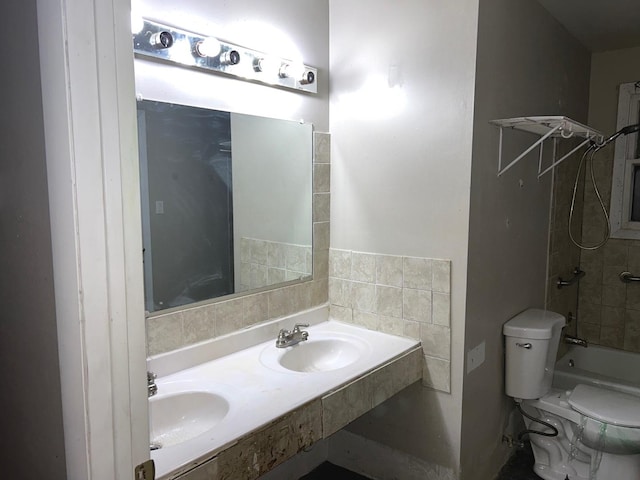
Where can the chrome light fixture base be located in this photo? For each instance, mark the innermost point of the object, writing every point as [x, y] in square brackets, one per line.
[185, 48]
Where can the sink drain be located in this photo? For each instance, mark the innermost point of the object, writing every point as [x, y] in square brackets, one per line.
[155, 446]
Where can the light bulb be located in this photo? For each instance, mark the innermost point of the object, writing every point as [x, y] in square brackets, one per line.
[298, 72]
[209, 47]
[291, 70]
[267, 65]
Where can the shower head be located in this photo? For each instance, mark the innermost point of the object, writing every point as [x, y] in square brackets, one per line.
[623, 131]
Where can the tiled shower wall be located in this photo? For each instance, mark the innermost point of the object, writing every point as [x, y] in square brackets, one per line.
[408, 296]
[608, 311]
[180, 327]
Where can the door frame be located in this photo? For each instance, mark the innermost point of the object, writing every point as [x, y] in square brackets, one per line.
[87, 74]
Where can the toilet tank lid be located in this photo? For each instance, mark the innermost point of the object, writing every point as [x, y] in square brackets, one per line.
[608, 406]
[534, 323]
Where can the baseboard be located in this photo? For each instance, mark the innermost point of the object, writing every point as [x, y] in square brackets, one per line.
[380, 462]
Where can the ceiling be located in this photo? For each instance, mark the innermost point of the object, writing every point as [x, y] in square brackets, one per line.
[600, 25]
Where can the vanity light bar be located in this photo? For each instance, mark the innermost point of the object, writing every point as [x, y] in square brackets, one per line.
[211, 54]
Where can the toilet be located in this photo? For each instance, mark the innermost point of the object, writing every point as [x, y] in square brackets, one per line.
[598, 430]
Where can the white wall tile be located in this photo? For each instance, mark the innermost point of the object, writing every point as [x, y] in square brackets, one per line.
[441, 309]
[417, 305]
[342, 314]
[391, 325]
[366, 319]
[340, 292]
[436, 340]
[389, 301]
[340, 264]
[363, 296]
[321, 177]
[363, 267]
[389, 270]
[417, 273]
[441, 276]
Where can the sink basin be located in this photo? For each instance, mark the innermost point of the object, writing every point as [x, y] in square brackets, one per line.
[323, 354]
[180, 416]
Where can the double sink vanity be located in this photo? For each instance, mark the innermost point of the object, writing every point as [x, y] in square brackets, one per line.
[237, 406]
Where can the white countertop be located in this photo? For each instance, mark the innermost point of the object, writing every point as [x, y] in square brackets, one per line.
[258, 389]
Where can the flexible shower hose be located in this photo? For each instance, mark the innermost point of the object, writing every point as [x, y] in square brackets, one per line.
[605, 214]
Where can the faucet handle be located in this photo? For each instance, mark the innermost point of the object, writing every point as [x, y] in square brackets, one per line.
[296, 327]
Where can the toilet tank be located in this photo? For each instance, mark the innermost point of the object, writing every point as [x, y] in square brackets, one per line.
[531, 343]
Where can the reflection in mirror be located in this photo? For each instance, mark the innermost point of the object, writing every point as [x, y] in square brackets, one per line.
[226, 202]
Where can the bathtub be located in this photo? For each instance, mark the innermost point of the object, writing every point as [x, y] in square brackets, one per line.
[598, 366]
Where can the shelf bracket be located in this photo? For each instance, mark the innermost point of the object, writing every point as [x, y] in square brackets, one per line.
[560, 160]
[555, 127]
[539, 142]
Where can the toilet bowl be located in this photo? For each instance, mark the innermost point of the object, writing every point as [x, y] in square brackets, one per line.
[585, 448]
[598, 429]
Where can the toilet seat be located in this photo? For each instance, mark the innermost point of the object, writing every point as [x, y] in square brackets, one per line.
[607, 406]
[601, 404]
[556, 402]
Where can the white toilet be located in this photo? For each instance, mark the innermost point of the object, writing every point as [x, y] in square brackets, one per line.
[598, 430]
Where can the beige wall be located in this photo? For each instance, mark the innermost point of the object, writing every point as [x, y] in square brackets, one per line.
[31, 405]
[609, 310]
[527, 64]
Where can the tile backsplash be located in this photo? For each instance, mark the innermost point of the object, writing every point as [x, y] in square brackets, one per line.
[180, 327]
[408, 296]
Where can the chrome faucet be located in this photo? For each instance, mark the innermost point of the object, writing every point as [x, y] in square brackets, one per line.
[288, 338]
[152, 388]
[575, 341]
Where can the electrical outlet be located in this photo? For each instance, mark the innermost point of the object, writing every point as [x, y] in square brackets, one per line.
[475, 357]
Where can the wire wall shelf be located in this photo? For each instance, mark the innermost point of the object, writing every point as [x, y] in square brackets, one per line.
[556, 127]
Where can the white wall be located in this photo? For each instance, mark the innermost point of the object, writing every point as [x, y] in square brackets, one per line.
[402, 87]
[527, 64]
[32, 445]
[292, 30]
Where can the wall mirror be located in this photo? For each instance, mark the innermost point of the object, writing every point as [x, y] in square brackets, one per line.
[226, 202]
